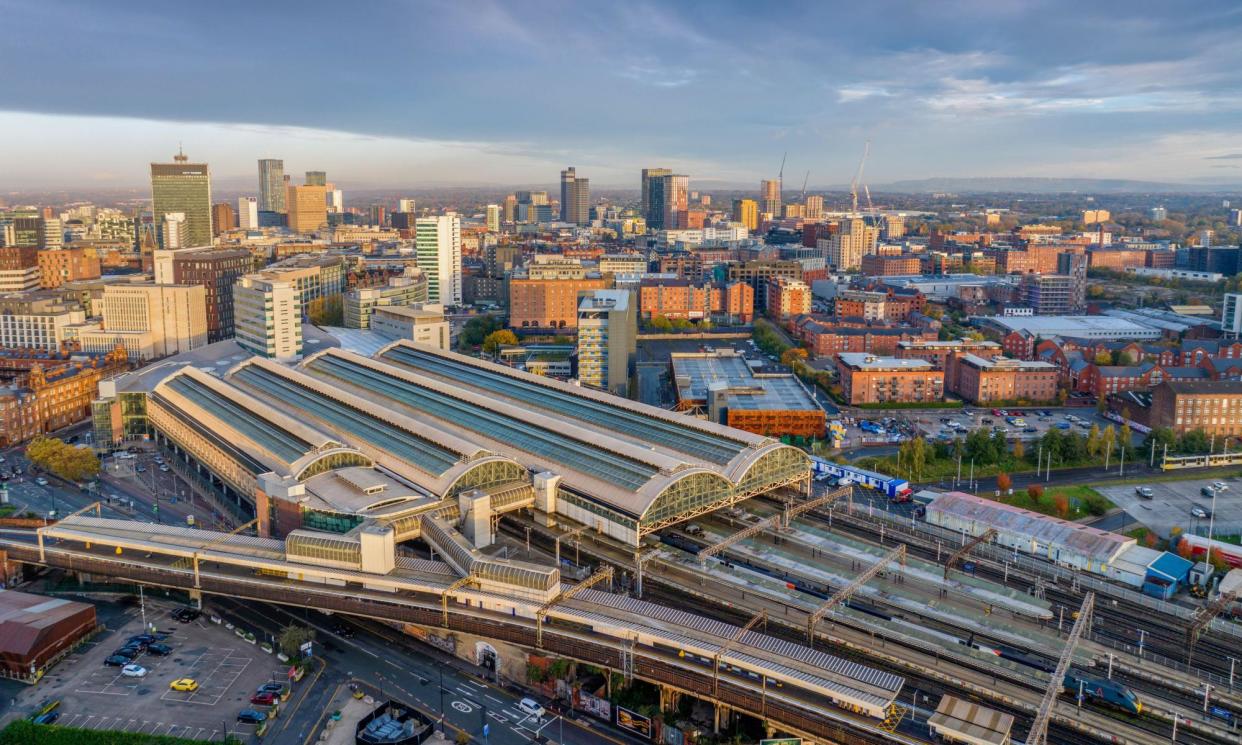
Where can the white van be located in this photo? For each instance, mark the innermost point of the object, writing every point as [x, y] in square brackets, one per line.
[531, 706]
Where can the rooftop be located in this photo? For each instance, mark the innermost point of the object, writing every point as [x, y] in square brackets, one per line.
[1074, 326]
[864, 361]
[697, 372]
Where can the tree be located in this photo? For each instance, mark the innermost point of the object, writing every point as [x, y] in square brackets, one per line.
[1108, 438]
[793, 354]
[1093, 441]
[66, 461]
[1062, 396]
[661, 323]
[1061, 503]
[1101, 403]
[1126, 438]
[1103, 359]
[1150, 539]
[1035, 491]
[1003, 482]
[1184, 549]
[477, 329]
[497, 339]
[1019, 450]
[292, 638]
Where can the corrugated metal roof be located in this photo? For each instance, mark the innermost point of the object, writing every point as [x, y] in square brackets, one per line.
[979, 724]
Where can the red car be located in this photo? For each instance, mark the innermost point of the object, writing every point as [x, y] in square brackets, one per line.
[996, 412]
[263, 699]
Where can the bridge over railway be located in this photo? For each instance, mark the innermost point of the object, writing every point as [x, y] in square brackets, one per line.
[790, 687]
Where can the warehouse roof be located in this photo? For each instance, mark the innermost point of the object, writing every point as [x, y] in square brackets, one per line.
[1099, 545]
[695, 373]
[25, 619]
[970, 722]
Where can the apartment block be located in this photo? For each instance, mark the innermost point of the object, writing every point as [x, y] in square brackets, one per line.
[215, 270]
[61, 265]
[36, 321]
[733, 302]
[269, 315]
[1212, 406]
[788, 298]
[607, 339]
[982, 381]
[867, 379]
[876, 265]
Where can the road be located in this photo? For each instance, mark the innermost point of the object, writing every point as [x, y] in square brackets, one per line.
[398, 667]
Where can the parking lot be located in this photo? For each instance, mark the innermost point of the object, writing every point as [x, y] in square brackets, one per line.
[96, 696]
[1172, 502]
[1030, 424]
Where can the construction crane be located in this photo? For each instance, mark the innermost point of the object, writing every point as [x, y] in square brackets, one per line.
[805, 179]
[1039, 728]
[858, 178]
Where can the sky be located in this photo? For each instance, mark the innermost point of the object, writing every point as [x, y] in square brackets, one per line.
[481, 92]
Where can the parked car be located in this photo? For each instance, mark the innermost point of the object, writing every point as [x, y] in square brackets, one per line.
[185, 615]
[1198, 511]
[116, 660]
[184, 684]
[47, 718]
[531, 706]
[263, 699]
[134, 671]
[128, 652]
[1208, 491]
[250, 716]
[159, 649]
[1219, 485]
[41, 481]
[1145, 492]
[276, 688]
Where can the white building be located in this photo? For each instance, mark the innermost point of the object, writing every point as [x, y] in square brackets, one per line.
[437, 242]
[149, 320]
[175, 228]
[336, 202]
[42, 324]
[607, 339]
[493, 218]
[424, 324]
[19, 280]
[268, 316]
[248, 213]
[1231, 316]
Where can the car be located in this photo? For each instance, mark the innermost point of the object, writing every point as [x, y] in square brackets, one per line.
[996, 412]
[343, 631]
[1031, 430]
[128, 652]
[184, 684]
[159, 649]
[41, 481]
[250, 716]
[185, 615]
[694, 529]
[276, 688]
[141, 639]
[1016, 412]
[1198, 511]
[1145, 492]
[116, 660]
[1208, 491]
[1219, 485]
[1063, 425]
[141, 469]
[134, 671]
[263, 699]
[47, 717]
[531, 707]
[986, 420]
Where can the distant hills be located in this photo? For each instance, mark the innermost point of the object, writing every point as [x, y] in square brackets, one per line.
[1028, 185]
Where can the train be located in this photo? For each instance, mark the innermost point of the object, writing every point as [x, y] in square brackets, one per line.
[896, 489]
[1229, 553]
[1104, 691]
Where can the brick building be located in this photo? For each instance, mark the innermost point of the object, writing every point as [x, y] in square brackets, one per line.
[543, 298]
[54, 394]
[787, 298]
[867, 379]
[876, 265]
[1212, 406]
[216, 270]
[733, 302]
[61, 265]
[942, 354]
[981, 381]
[826, 338]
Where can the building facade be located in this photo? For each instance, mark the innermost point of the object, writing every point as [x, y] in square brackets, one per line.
[54, 394]
[424, 324]
[183, 187]
[1212, 406]
[272, 185]
[867, 379]
[361, 302]
[982, 381]
[268, 312]
[149, 320]
[307, 208]
[575, 198]
[216, 270]
[787, 298]
[438, 247]
[607, 339]
[37, 322]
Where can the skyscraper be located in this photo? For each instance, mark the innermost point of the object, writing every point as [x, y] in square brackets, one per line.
[183, 187]
[511, 208]
[673, 193]
[317, 178]
[271, 185]
[247, 213]
[575, 198]
[405, 205]
[437, 243]
[770, 196]
[223, 218]
[746, 211]
[493, 218]
[650, 176]
[336, 201]
[308, 208]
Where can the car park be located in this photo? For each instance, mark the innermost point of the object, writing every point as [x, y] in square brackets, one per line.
[1219, 485]
[1198, 511]
[250, 716]
[531, 706]
[134, 671]
[184, 684]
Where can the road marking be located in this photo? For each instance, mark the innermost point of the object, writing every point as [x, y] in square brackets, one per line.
[474, 683]
[493, 698]
[497, 717]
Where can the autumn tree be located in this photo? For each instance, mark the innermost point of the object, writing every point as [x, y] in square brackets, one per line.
[1061, 503]
[793, 354]
[1003, 482]
[497, 339]
[66, 461]
[1019, 450]
[1035, 491]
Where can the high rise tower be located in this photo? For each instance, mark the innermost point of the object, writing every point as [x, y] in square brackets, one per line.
[575, 198]
[271, 185]
[183, 187]
[650, 176]
[770, 196]
[437, 243]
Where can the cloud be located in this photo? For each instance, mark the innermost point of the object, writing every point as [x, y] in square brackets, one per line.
[1227, 156]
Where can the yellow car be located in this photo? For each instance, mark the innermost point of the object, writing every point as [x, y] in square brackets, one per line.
[184, 684]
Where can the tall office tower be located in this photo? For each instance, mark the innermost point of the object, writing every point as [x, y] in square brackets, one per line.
[650, 177]
[674, 202]
[308, 208]
[184, 187]
[406, 205]
[814, 207]
[377, 214]
[493, 218]
[511, 208]
[271, 185]
[223, 218]
[247, 213]
[50, 233]
[336, 201]
[575, 198]
[317, 178]
[770, 196]
[267, 313]
[174, 231]
[746, 211]
[437, 245]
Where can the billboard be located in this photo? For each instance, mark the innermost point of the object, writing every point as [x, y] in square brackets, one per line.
[634, 722]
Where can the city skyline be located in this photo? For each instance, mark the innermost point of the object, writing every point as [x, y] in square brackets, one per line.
[975, 89]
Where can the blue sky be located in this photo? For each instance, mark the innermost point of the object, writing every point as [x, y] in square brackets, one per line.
[408, 93]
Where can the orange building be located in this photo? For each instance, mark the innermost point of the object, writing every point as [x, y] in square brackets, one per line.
[720, 386]
[981, 381]
[679, 298]
[867, 379]
[61, 265]
[548, 303]
[943, 355]
[1115, 258]
[788, 298]
[878, 265]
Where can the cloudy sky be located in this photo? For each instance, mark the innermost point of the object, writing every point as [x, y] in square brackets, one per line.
[414, 92]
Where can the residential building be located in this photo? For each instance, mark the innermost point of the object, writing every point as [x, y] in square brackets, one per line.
[867, 379]
[674, 202]
[437, 244]
[58, 266]
[893, 227]
[814, 207]
[730, 303]
[223, 218]
[1051, 294]
[149, 320]
[787, 298]
[651, 202]
[607, 339]
[184, 187]
[19, 269]
[307, 208]
[623, 264]
[746, 211]
[50, 233]
[493, 218]
[770, 197]
[892, 305]
[37, 321]
[544, 294]
[361, 302]
[757, 273]
[215, 270]
[575, 198]
[846, 248]
[1094, 217]
[318, 278]
[54, 394]
[1158, 214]
[980, 380]
[269, 316]
[1231, 315]
[876, 265]
[272, 185]
[248, 213]
[943, 354]
[829, 338]
[1212, 406]
[424, 324]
